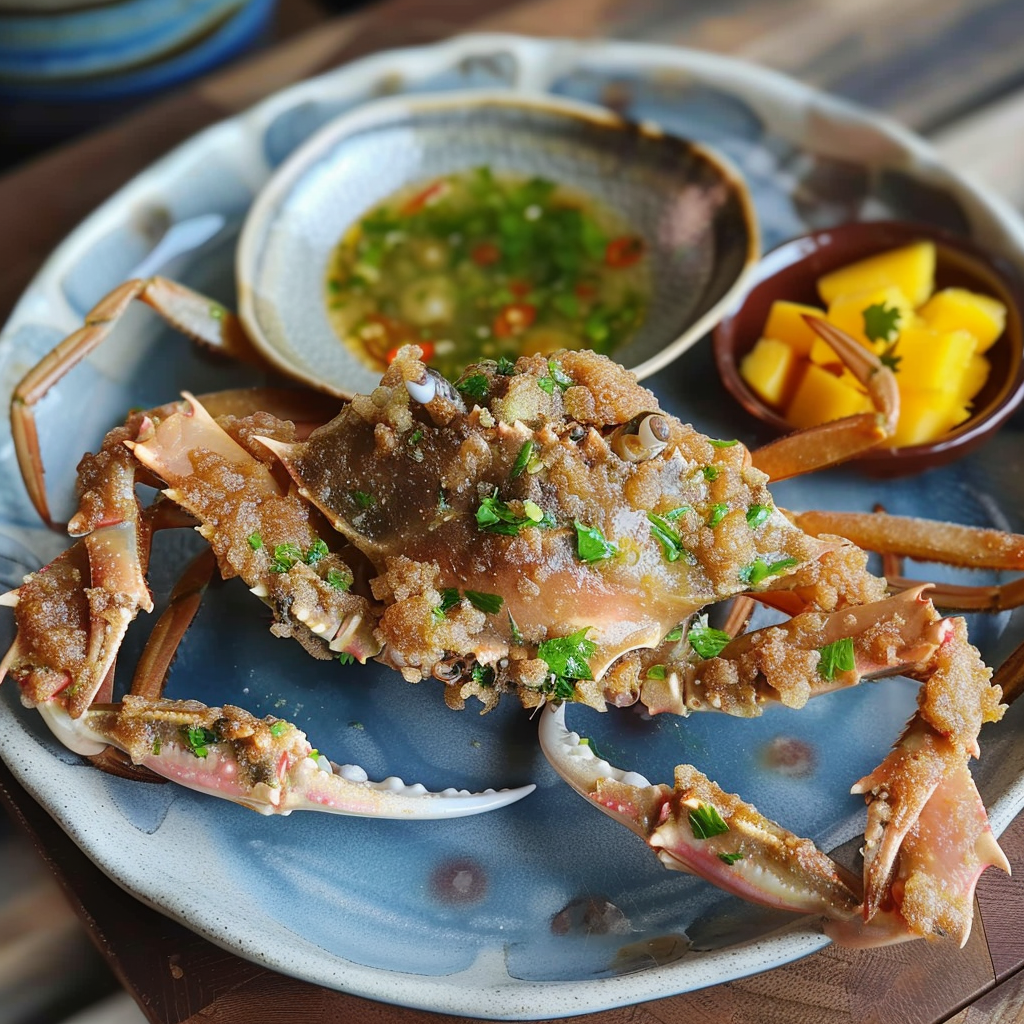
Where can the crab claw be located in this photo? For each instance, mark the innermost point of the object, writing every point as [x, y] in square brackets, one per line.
[698, 828]
[265, 764]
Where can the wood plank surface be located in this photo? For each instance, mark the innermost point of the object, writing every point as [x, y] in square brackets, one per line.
[957, 65]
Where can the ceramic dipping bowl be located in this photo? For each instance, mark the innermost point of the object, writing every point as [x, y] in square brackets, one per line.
[790, 272]
[691, 208]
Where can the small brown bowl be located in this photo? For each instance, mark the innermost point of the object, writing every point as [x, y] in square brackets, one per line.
[790, 272]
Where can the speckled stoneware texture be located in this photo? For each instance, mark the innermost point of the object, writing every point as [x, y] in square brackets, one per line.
[546, 908]
[691, 208]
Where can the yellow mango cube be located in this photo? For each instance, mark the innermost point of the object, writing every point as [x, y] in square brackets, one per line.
[926, 416]
[959, 309]
[786, 323]
[822, 396]
[974, 377]
[769, 370]
[910, 268]
[930, 361]
[847, 312]
[823, 354]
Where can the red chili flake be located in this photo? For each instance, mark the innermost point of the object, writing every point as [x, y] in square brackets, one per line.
[623, 251]
[513, 319]
[485, 253]
[431, 194]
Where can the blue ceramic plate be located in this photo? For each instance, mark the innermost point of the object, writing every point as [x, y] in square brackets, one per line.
[546, 908]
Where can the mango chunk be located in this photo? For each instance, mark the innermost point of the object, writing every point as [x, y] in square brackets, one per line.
[910, 268]
[959, 309]
[823, 354]
[786, 323]
[769, 370]
[974, 377]
[926, 415]
[930, 361]
[821, 396]
[847, 312]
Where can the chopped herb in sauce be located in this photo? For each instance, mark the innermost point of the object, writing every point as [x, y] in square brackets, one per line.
[475, 386]
[255, 541]
[522, 460]
[363, 499]
[488, 603]
[315, 552]
[449, 599]
[670, 541]
[718, 512]
[197, 739]
[345, 658]
[656, 672]
[723, 444]
[495, 516]
[556, 377]
[566, 657]
[339, 579]
[285, 556]
[674, 635]
[705, 640]
[759, 570]
[474, 266]
[517, 633]
[280, 728]
[482, 675]
[710, 472]
[730, 858]
[758, 515]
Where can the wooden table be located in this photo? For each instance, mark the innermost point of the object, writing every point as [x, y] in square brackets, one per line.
[953, 69]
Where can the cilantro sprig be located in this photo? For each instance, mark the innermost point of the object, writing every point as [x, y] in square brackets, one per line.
[567, 660]
[197, 739]
[663, 532]
[496, 516]
[883, 324]
[592, 545]
[556, 377]
[705, 640]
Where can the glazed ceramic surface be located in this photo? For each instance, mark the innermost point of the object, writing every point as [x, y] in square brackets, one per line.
[546, 908]
[692, 210]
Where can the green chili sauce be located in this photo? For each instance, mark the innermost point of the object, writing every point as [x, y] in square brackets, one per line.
[479, 266]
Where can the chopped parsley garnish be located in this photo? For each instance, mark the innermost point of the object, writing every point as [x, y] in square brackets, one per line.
[506, 367]
[705, 821]
[836, 657]
[517, 633]
[364, 499]
[475, 386]
[710, 472]
[670, 541]
[338, 579]
[656, 672]
[758, 515]
[759, 570]
[522, 460]
[489, 603]
[566, 657]
[345, 658]
[415, 437]
[157, 744]
[707, 642]
[730, 858]
[674, 634]
[718, 512]
[556, 376]
[255, 541]
[197, 740]
[592, 545]
[723, 444]
[881, 323]
[495, 516]
[675, 513]
[449, 599]
[482, 675]
[285, 556]
[279, 728]
[317, 550]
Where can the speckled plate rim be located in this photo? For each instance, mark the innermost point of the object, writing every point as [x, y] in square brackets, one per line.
[258, 230]
[474, 992]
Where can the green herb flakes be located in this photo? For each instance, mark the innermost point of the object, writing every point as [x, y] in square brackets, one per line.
[705, 822]
[718, 512]
[280, 728]
[592, 545]
[836, 657]
[881, 323]
[730, 858]
[482, 675]
[759, 570]
[345, 658]
[674, 635]
[285, 556]
[495, 516]
[758, 515]
[556, 377]
[670, 541]
[710, 472]
[364, 499]
[489, 603]
[517, 633]
[566, 657]
[316, 551]
[522, 460]
[474, 386]
[255, 541]
[449, 599]
[197, 740]
[657, 672]
[723, 444]
[338, 579]
[506, 367]
[707, 642]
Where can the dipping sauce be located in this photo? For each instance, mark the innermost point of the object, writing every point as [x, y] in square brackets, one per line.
[480, 266]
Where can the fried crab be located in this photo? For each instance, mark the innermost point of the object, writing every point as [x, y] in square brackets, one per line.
[542, 529]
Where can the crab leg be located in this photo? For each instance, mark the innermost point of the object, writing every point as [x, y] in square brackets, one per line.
[266, 764]
[835, 442]
[202, 319]
[697, 828]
